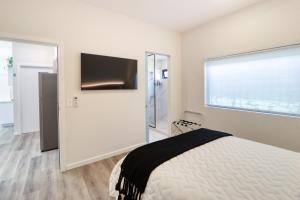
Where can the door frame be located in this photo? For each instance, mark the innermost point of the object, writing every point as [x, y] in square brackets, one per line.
[148, 107]
[62, 130]
[169, 104]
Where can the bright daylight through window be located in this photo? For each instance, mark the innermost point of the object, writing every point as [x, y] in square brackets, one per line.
[264, 81]
[6, 71]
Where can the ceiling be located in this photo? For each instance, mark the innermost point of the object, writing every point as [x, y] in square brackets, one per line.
[177, 15]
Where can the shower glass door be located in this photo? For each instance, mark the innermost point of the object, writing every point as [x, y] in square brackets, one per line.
[151, 90]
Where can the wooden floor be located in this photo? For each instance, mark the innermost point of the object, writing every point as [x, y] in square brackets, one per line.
[26, 173]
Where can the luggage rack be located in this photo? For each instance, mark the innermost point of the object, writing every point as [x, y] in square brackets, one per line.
[186, 124]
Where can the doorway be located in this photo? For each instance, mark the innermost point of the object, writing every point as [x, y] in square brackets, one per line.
[157, 80]
[28, 97]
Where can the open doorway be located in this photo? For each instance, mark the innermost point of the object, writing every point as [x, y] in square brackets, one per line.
[28, 102]
[35, 86]
[157, 96]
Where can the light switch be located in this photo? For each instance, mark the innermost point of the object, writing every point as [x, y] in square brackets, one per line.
[75, 102]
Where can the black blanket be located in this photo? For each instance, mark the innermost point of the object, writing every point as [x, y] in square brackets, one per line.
[138, 164]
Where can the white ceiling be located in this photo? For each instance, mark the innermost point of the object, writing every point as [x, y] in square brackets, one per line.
[178, 15]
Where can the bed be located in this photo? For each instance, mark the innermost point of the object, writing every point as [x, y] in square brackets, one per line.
[228, 168]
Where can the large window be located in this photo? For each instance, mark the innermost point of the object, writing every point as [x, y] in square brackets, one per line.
[264, 81]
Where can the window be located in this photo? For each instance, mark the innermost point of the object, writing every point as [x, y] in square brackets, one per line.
[265, 81]
[6, 73]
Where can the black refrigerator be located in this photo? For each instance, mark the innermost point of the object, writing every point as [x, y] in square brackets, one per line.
[48, 111]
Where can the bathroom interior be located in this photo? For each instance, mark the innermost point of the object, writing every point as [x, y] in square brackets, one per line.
[157, 69]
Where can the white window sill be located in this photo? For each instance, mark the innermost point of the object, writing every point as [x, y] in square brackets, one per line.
[253, 111]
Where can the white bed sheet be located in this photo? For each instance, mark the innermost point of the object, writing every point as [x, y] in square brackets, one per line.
[229, 168]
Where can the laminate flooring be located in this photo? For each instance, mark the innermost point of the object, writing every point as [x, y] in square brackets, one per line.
[28, 174]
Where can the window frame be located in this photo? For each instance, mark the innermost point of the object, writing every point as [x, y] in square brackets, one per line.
[267, 112]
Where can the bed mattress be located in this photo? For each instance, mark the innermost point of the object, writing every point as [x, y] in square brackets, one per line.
[228, 168]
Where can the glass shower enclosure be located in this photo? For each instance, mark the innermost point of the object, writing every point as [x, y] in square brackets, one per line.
[157, 97]
[151, 90]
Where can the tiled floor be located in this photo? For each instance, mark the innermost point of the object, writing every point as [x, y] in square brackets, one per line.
[155, 135]
[162, 125]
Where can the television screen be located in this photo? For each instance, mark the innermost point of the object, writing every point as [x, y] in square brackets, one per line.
[107, 73]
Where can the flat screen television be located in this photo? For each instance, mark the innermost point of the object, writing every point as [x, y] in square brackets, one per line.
[107, 73]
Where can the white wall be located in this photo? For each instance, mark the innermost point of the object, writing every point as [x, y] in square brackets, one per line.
[29, 57]
[34, 54]
[105, 121]
[270, 24]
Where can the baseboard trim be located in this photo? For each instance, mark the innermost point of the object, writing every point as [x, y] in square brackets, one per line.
[101, 157]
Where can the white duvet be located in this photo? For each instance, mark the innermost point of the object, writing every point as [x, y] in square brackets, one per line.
[229, 168]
